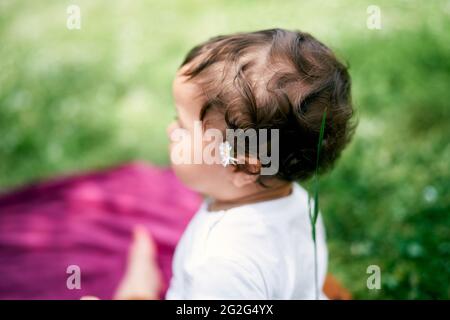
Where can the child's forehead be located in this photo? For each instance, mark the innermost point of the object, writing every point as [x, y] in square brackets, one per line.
[188, 98]
[185, 89]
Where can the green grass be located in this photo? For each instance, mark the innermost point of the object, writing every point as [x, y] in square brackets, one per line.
[91, 98]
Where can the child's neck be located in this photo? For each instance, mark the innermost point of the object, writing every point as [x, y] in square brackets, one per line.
[271, 193]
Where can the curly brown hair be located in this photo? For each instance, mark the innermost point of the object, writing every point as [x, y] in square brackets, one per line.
[278, 79]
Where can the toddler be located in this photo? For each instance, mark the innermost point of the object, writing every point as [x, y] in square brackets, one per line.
[249, 111]
[251, 238]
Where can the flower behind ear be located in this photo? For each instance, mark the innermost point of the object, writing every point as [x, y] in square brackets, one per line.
[225, 154]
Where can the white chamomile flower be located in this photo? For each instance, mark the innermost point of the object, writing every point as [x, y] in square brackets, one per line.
[225, 154]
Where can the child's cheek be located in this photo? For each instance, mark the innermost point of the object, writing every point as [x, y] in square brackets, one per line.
[180, 146]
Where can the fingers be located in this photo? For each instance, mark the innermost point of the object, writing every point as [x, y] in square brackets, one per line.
[89, 298]
[143, 243]
[142, 279]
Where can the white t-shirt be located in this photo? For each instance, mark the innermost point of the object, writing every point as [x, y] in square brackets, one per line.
[262, 250]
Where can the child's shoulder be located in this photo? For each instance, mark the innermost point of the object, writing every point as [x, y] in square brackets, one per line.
[238, 226]
[261, 226]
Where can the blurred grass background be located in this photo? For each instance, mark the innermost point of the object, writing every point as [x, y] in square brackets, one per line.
[74, 100]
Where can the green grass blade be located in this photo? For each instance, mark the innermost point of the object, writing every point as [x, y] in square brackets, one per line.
[319, 147]
[313, 215]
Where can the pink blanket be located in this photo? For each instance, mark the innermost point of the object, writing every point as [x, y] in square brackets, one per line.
[87, 221]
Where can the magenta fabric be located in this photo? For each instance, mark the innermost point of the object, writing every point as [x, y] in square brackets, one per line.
[87, 220]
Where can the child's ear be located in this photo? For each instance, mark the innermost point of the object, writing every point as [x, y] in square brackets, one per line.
[242, 178]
